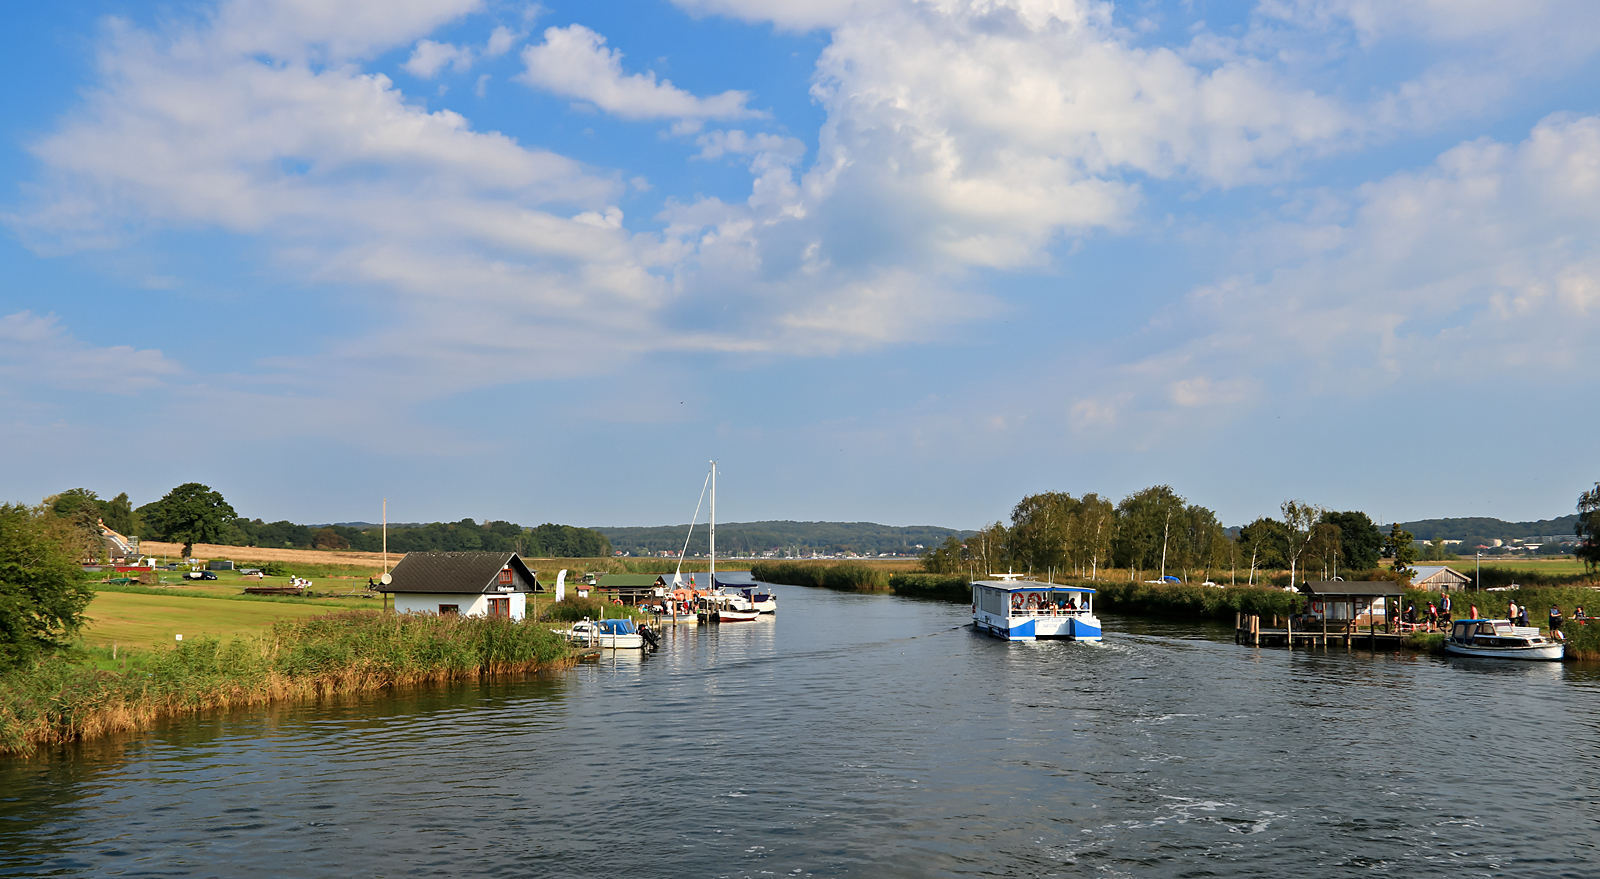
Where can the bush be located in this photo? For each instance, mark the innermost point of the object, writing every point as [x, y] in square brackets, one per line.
[1193, 602]
[947, 587]
[276, 569]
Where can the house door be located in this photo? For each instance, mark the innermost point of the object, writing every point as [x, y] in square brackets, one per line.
[500, 608]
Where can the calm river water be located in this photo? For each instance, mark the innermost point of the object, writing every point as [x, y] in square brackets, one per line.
[862, 736]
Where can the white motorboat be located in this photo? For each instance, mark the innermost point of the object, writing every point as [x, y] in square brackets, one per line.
[1499, 639]
[745, 597]
[1027, 610]
[618, 634]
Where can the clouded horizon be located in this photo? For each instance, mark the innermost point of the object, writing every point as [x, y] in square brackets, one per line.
[886, 260]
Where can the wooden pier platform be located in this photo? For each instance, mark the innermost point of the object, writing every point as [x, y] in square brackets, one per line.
[1248, 629]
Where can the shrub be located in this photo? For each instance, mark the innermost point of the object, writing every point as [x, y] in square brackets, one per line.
[947, 587]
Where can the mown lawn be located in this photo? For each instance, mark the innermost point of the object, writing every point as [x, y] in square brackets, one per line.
[145, 620]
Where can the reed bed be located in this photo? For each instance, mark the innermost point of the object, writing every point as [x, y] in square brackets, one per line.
[64, 699]
[845, 576]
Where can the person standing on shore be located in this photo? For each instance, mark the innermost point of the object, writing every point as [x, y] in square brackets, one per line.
[1511, 611]
[1555, 619]
[1444, 608]
[1474, 611]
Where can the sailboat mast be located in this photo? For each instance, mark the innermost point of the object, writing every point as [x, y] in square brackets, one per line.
[713, 583]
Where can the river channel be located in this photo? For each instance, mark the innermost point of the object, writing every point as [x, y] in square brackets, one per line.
[860, 735]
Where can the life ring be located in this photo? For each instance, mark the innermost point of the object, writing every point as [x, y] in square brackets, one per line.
[1316, 607]
[616, 601]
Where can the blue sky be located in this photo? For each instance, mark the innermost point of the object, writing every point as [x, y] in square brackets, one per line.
[885, 260]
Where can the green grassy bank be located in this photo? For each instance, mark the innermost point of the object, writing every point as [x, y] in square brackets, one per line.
[89, 694]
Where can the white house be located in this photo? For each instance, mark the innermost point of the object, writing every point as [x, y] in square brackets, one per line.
[477, 584]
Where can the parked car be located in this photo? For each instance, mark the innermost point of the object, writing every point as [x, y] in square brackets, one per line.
[202, 575]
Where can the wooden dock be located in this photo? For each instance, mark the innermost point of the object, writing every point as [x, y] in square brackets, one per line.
[1248, 629]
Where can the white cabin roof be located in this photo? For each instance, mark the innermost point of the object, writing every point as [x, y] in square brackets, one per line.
[1029, 586]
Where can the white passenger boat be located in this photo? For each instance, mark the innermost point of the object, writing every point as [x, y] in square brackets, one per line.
[1499, 639]
[618, 634]
[1027, 610]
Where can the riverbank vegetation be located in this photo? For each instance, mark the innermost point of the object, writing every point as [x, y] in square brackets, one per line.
[86, 693]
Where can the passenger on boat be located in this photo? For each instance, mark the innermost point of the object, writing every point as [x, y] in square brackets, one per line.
[1523, 617]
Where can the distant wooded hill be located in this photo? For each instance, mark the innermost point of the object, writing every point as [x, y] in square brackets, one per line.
[1477, 529]
[800, 538]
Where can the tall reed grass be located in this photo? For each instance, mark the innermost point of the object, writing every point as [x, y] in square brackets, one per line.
[64, 698]
[844, 576]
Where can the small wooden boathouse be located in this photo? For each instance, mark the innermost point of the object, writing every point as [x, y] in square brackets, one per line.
[1357, 613]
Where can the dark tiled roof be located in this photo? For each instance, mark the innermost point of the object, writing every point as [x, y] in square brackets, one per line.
[458, 572]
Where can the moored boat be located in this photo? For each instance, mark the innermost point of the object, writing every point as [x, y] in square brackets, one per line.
[1027, 610]
[1499, 639]
[617, 634]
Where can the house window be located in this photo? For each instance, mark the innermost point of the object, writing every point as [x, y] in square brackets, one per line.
[449, 610]
[500, 608]
[505, 577]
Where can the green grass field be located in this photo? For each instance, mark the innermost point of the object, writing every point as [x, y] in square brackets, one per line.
[148, 620]
[1564, 565]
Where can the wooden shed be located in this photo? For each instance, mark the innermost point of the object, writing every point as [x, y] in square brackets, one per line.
[1439, 578]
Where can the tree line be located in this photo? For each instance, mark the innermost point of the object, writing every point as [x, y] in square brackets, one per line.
[1156, 531]
[797, 538]
[194, 513]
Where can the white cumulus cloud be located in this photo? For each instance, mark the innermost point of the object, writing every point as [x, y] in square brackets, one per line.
[574, 62]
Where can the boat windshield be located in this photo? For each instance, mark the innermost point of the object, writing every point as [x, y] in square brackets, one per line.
[617, 627]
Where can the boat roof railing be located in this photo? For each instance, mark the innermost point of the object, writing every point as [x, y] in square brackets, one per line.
[1030, 586]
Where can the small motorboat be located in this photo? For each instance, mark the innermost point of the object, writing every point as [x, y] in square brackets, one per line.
[1499, 639]
[618, 634]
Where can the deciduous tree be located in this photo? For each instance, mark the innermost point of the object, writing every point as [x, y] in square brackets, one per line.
[42, 591]
[1401, 547]
[1300, 520]
[1360, 541]
[191, 513]
[1588, 527]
